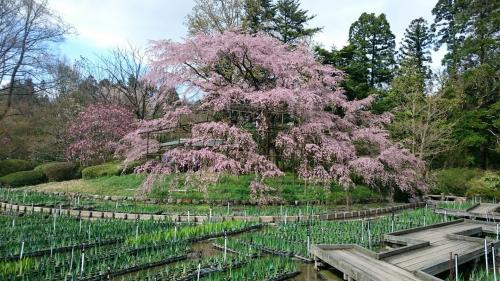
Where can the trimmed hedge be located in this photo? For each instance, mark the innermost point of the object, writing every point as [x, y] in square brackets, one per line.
[10, 166]
[129, 169]
[103, 170]
[59, 171]
[23, 178]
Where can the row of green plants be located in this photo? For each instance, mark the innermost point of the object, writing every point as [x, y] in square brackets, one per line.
[245, 263]
[456, 205]
[478, 274]
[189, 269]
[191, 232]
[262, 269]
[137, 246]
[295, 238]
[49, 233]
[53, 200]
[96, 263]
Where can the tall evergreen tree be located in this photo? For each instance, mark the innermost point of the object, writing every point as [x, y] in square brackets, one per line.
[480, 20]
[470, 31]
[258, 15]
[289, 22]
[447, 30]
[415, 47]
[348, 60]
[374, 42]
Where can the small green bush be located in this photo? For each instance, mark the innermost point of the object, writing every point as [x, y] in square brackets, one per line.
[363, 194]
[23, 178]
[10, 166]
[455, 181]
[58, 171]
[130, 167]
[487, 186]
[360, 194]
[103, 170]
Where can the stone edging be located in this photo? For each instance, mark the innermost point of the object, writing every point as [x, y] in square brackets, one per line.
[168, 200]
[184, 218]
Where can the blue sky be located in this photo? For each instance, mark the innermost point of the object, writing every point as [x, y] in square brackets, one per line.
[104, 24]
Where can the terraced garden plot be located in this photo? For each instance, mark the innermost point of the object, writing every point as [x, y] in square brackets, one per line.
[39, 247]
[455, 205]
[40, 199]
[292, 239]
[161, 250]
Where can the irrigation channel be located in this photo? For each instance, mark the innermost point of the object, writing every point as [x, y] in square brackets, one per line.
[35, 246]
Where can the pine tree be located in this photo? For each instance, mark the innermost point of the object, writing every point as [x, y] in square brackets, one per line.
[348, 60]
[480, 20]
[470, 31]
[447, 30]
[374, 43]
[415, 47]
[289, 22]
[258, 15]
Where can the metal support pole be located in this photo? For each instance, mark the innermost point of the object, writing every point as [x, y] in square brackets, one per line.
[494, 263]
[456, 267]
[486, 257]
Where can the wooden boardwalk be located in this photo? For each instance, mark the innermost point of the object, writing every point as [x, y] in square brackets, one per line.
[360, 265]
[484, 211]
[424, 252]
[484, 208]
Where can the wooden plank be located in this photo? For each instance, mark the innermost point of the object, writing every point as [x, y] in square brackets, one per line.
[362, 267]
[426, 252]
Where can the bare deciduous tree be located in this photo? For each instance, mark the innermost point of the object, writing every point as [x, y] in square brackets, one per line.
[215, 15]
[27, 28]
[121, 80]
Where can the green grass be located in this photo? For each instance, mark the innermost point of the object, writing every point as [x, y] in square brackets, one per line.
[103, 170]
[288, 187]
[229, 187]
[125, 185]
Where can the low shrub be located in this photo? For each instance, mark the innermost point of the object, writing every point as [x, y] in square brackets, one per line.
[10, 166]
[23, 178]
[455, 181]
[363, 194]
[487, 186]
[130, 167]
[103, 170]
[360, 194]
[59, 171]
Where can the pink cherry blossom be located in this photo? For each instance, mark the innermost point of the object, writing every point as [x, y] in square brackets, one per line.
[96, 130]
[287, 106]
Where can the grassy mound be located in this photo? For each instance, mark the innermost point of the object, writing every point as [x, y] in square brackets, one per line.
[14, 165]
[59, 171]
[22, 178]
[103, 170]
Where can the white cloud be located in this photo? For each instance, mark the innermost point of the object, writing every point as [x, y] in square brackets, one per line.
[108, 23]
[103, 24]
